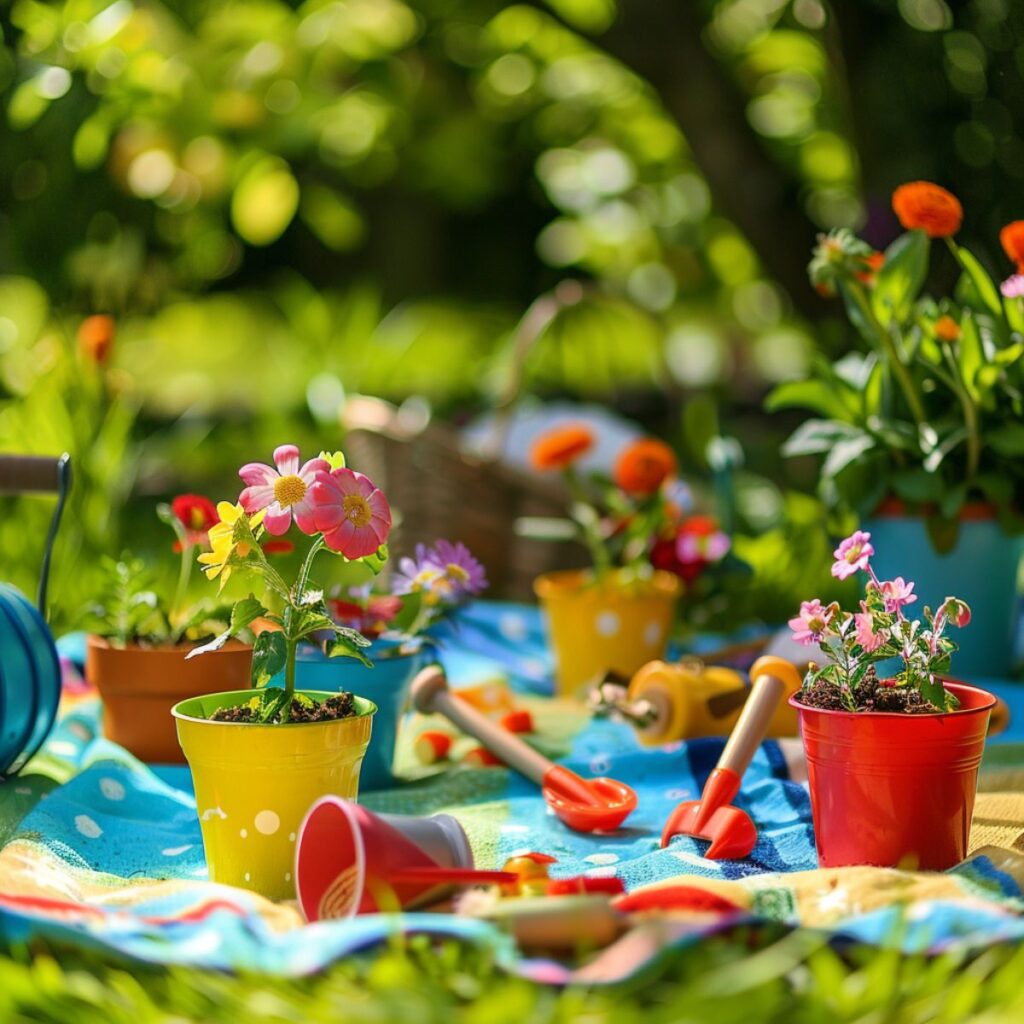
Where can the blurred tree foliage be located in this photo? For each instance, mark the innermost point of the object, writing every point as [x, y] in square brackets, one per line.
[284, 201]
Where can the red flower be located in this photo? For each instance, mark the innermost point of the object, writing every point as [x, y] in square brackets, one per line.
[372, 619]
[671, 556]
[197, 514]
[277, 547]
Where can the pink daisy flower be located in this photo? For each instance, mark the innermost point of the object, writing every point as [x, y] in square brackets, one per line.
[852, 555]
[284, 492]
[897, 594]
[866, 635]
[351, 512]
[1013, 287]
[811, 623]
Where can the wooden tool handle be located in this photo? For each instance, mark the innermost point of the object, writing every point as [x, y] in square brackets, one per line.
[21, 474]
[772, 677]
[430, 694]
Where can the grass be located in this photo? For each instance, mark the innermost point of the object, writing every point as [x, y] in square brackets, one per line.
[791, 978]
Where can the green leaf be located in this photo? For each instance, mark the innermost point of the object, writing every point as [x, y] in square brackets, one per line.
[846, 452]
[815, 395]
[1007, 439]
[343, 646]
[815, 437]
[982, 284]
[943, 532]
[948, 444]
[900, 278]
[243, 614]
[269, 654]
[917, 485]
[970, 352]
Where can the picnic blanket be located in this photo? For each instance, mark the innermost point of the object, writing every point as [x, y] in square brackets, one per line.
[99, 849]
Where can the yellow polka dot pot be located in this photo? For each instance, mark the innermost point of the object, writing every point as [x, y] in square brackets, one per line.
[255, 783]
[611, 625]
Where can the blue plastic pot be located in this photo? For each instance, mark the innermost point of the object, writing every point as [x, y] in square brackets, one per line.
[982, 569]
[386, 684]
[29, 680]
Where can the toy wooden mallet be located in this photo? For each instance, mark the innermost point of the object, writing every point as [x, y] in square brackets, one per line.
[586, 805]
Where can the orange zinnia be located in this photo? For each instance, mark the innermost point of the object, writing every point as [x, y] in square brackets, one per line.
[1012, 239]
[947, 329]
[920, 204]
[560, 447]
[644, 466]
[95, 337]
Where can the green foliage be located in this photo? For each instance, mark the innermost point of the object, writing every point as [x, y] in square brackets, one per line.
[931, 413]
[128, 608]
[736, 979]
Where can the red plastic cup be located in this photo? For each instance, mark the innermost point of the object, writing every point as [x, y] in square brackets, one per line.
[895, 790]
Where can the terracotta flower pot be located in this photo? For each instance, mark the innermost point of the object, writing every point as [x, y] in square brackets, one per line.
[607, 626]
[140, 685]
[894, 790]
[254, 784]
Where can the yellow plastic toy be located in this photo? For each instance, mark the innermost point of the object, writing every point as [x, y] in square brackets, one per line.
[681, 701]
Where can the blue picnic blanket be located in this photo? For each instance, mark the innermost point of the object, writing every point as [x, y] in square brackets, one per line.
[100, 849]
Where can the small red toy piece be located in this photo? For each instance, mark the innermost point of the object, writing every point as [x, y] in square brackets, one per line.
[518, 721]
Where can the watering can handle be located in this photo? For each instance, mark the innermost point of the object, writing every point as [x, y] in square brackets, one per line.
[34, 474]
[25, 474]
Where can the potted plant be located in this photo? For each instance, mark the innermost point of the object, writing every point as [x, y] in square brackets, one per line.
[403, 626]
[260, 757]
[617, 616]
[921, 435]
[139, 639]
[893, 745]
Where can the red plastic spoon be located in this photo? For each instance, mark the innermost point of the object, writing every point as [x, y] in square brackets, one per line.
[586, 805]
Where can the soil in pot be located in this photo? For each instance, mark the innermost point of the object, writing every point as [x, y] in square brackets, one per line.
[340, 706]
[871, 694]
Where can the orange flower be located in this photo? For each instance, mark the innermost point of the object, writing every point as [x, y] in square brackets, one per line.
[872, 265]
[947, 329]
[920, 204]
[96, 336]
[644, 466]
[560, 447]
[1012, 239]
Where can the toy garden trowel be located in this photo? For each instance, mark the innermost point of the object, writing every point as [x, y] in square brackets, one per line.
[586, 805]
[730, 831]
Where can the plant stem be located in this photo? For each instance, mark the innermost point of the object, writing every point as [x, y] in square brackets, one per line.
[970, 416]
[857, 293]
[289, 677]
[184, 575]
[307, 566]
[591, 530]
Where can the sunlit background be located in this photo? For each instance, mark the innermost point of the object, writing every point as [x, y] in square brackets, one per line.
[283, 205]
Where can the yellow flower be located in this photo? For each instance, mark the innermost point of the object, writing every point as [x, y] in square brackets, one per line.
[336, 460]
[222, 540]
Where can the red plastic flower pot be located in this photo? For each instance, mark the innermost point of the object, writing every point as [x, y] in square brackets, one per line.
[895, 790]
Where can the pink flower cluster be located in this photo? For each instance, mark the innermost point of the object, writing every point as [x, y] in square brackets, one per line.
[346, 507]
[852, 556]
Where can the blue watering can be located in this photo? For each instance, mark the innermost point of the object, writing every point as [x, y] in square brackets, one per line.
[29, 667]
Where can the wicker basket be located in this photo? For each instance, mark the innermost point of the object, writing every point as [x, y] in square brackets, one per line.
[438, 490]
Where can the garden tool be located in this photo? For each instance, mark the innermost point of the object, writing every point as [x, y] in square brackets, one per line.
[731, 832]
[350, 861]
[685, 700]
[586, 805]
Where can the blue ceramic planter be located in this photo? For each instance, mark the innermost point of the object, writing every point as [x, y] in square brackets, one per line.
[981, 569]
[386, 684]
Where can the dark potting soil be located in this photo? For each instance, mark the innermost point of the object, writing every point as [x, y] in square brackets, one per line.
[870, 695]
[340, 706]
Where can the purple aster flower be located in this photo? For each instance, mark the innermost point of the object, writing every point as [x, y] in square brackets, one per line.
[460, 567]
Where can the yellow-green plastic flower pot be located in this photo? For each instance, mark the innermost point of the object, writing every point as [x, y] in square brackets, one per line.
[255, 783]
[596, 627]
